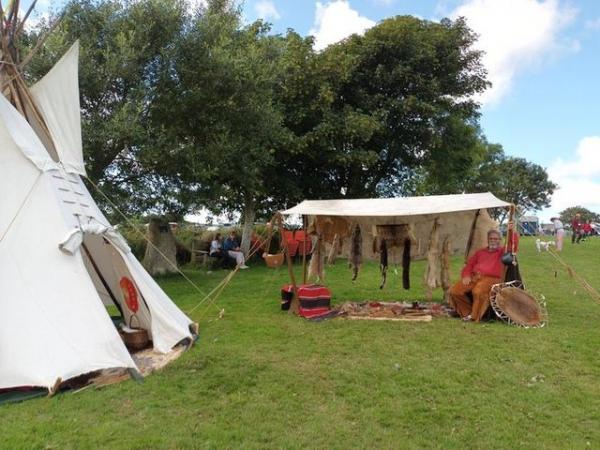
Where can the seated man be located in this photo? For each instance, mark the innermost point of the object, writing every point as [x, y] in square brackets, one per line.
[232, 247]
[484, 269]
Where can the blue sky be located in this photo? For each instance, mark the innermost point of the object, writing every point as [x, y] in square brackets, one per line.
[543, 57]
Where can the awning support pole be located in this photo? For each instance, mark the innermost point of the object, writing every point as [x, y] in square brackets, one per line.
[304, 227]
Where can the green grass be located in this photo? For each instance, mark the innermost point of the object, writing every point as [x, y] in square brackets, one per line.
[260, 378]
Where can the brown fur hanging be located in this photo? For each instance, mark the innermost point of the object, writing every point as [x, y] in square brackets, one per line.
[433, 273]
[446, 269]
[406, 264]
[317, 262]
[334, 250]
[383, 262]
[355, 260]
[315, 267]
[328, 227]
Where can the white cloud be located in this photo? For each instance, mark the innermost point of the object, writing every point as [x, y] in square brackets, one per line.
[516, 35]
[593, 24]
[265, 9]
[335, 21]
[578, 179]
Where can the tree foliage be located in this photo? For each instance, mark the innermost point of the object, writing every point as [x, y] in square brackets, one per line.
[186, 110]
[389, 102]
[513, 179]
[121, 47]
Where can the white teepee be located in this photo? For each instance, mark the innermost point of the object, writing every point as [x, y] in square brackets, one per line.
[60, 259]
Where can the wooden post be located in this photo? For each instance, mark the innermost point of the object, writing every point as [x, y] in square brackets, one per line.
[304, 226]
[278, 220]
[471, 235]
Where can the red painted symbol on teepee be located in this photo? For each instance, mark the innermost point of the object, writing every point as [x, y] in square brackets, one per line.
[130, 294]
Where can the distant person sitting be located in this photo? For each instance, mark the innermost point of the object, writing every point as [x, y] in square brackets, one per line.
[216, 247]
[232, 247]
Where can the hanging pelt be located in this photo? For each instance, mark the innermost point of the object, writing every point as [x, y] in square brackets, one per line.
[334, 250]
[383, 262]
[406, 264]
[355, 260]
[446, 269]
[316, 268]
[433, 273]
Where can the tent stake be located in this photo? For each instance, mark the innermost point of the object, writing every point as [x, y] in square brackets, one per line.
[136, 375]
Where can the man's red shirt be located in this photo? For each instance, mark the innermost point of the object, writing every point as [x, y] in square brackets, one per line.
[485, 262]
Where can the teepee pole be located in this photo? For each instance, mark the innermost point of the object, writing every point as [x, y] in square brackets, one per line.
[39, 43]
[22, 23]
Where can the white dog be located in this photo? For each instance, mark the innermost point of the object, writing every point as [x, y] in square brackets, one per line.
[543, 245]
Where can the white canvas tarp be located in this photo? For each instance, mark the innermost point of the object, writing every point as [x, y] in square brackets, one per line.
[397, 207]
[57, 97]
[454, 214]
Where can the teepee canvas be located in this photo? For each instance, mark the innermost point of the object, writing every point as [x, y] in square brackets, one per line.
[61, 261]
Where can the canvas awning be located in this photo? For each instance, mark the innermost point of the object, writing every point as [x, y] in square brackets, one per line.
[395, 207]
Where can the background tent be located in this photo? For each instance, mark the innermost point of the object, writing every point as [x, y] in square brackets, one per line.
[460, 222]
[458, 216]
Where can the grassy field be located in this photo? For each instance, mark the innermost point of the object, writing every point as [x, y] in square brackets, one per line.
[260, 378]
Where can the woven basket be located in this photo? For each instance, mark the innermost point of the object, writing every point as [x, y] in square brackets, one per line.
[274, 261]
[137, 339]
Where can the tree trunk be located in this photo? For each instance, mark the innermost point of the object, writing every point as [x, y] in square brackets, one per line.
[160, 257]
[249, 215]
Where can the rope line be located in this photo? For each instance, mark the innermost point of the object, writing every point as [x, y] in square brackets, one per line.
[171, 263]
[215, 293]
[582, 281]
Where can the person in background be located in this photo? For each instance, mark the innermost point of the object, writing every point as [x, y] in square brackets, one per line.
[232, 247]
[216, 246]
[587, 229]
[576, 227]
[559, 233]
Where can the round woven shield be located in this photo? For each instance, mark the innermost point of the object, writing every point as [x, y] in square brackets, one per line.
[521, 307]
[517, 306]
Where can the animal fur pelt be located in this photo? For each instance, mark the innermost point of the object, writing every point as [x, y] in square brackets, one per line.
[334, 250]
[433, 273]
[446, 269]
[316, 268]
[329, 226]
[383, 262]
[355, 260]
[406, 264]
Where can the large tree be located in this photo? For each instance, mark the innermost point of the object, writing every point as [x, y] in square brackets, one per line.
[122, 45]
[567, 214]
[398, 98]
[513, 179]
[217, 102]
